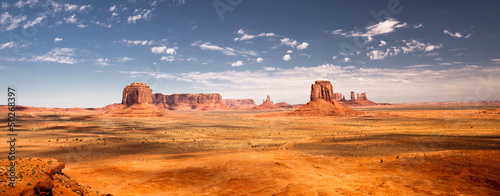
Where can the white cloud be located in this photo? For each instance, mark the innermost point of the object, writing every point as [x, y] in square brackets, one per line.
[381, 28]
[10, 22]
[410, 46]
[112, 8]
[346, 60]
[124, 59]
[57, 40]
[418, 26]
[84, 7]
[417, 66]
[288, 42]
[259, 60]
[81, 26]
[403, 85]
[237, 64]
[72, 19]
[302, 46]
[456, 34]
[5, 5]
[225, 50]
[382, 43]
[496, 61]
[168, 58]
[58, 55]
[287, 57]
[102, 62]
[137, 42]
[7, 45]
[289, 51]
[163, 49]
[34, 22]
[30, 3]
[245, 36]
[143, 14]
[269, 68]
[334, 57]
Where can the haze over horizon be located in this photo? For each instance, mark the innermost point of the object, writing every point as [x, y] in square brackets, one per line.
[68, 53]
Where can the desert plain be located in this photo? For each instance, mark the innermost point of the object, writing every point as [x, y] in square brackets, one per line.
[385, 150]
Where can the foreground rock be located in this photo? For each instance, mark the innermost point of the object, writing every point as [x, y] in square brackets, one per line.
[322, 102]
[37, 176]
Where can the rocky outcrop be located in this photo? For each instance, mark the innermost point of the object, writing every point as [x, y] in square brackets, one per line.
[137, 93]
[267, 105]
[202, 101]
[43, 176]
[337, 96]
[353, 98]
[322, 103]
[362, 97]
[322, 89]
[137, 102]
[239, 103]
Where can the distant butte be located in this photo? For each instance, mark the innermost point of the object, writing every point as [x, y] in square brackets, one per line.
[322, 102]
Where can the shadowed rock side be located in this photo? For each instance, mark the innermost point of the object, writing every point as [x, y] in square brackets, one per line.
[322, 103]
[36, 176]
[137, 102]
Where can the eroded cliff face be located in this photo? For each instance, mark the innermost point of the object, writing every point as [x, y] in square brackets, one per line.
[137, 93]
[202, 101]
[322, 89]
[239, 103]
[322, 102]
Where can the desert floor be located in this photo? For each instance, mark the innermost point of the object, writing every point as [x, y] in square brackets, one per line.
[388, 150]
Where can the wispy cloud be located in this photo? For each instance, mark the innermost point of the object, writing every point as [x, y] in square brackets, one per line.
[58, 55]
[139, 14]
[456, 34]
[10, 22]
[381, 28]
[225, 50]
[243, 35]
[409, 47]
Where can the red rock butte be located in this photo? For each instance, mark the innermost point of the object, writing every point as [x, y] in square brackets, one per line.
[322, 102]
[137, 93]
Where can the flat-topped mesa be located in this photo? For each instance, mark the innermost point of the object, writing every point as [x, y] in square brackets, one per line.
[201, 101]
[137, 93]
[353, 98]
[239, 103]
[322, 89]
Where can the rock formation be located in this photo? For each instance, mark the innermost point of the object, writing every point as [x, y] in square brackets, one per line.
[202, 101]
[337, 96]
[137, 93]
[43, 176]
[322, 103]
[353, 98]
[322, 89]
[239, 103]
[137, 102]
[362, 97]
[267, 105]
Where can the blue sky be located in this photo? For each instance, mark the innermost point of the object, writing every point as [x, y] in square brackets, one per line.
[68, 53]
